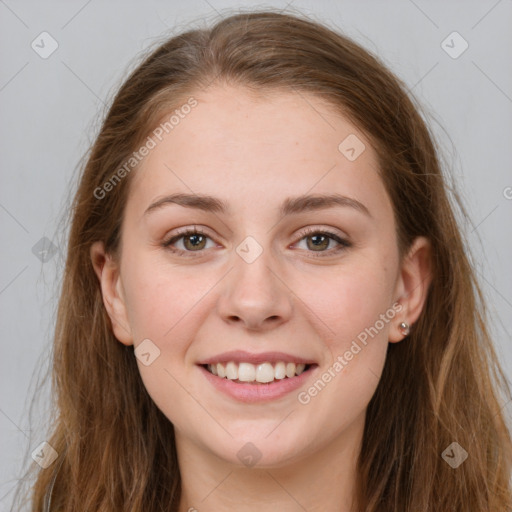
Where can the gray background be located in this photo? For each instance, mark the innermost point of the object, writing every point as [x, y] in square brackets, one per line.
[51, 110]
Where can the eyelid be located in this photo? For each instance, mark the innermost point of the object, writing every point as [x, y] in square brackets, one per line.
[310, 230]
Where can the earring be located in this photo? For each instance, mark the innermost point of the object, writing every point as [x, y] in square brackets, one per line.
[404, 328]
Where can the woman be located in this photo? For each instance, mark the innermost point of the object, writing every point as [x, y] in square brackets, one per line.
[267, 303]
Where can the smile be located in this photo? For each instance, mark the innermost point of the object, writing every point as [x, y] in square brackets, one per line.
[253, 391]
[251, 373]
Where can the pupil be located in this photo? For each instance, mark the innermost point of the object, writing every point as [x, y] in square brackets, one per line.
[320, 243]
[194, 240]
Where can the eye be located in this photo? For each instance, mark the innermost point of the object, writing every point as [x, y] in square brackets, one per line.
[317, 240]
[194, 240]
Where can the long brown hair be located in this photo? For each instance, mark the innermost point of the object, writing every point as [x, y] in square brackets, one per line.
[439, 386]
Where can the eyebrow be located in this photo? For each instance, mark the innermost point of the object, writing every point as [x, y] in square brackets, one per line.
[290, 206]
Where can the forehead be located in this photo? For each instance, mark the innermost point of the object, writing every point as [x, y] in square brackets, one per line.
[249, 147]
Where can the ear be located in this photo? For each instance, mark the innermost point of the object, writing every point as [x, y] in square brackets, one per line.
[412, 285]
[109, 277]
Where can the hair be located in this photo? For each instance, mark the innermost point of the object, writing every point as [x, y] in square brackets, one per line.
[440, 385]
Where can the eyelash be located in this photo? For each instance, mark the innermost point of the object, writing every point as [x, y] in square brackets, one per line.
[343, 244]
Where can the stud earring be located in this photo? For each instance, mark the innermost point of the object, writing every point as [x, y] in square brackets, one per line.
[404, 328]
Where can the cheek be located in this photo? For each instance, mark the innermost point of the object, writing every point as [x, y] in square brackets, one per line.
[164, 306]
[159, 299]
[354, 311]
[356, 314]
[357, 305]
[351, 301]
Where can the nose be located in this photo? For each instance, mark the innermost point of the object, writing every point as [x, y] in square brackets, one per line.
[255, 294]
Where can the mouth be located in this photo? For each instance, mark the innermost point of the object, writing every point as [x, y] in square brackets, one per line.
[257, 383]
[257, 377]
[265, 373]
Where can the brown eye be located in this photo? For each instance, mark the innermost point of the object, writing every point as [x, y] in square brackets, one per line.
[192, 240]
[196, 242]
[318, 242]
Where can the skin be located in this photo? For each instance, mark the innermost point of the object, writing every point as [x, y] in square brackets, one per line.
[253, 152]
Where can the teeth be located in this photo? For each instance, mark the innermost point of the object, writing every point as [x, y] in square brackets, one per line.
[232, 371]
[246, 372]
[263, 373]
[280, 370]
[290, 370]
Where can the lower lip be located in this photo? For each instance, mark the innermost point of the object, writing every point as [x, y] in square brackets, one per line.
[258, 392]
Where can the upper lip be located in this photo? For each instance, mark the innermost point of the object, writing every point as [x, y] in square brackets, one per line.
[241, 356]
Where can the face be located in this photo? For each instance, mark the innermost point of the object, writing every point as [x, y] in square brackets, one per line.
[271, 277]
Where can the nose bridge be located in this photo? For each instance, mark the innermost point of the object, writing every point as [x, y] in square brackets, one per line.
[254, 292]
[254, 276]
